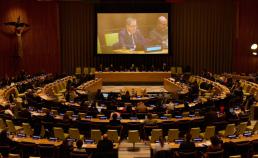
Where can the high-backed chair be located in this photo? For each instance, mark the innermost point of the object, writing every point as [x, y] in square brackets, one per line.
[172, 135]
[241, 128]
[12, 128]
[209, 132]
[230, 130]
[173, 70]
[69, 113]
[86, 71]
[133, 137]
[75, 134]
[27, 129]
[59, 133]
[179, 70]
[96, 135]
[254, 129]
[78, 71]
[195, 132]
[111, 39]
[113, 135]
[155, 135]
[2, 124]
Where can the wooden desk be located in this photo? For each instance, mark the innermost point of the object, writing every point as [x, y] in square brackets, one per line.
[175, 87]
[36, 141]
[133, 76]
[127, 51]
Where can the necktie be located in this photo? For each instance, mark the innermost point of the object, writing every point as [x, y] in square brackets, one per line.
[134, 46]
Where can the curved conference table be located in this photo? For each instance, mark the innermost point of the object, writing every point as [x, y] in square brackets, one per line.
[155, 76]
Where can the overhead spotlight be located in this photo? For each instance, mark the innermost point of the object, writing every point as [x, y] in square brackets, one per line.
[254, 46]
[254, 53]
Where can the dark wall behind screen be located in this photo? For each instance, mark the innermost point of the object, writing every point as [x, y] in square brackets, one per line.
[201, 36]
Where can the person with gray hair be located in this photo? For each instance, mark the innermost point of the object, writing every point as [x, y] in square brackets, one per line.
[130, 37]
[159, 35]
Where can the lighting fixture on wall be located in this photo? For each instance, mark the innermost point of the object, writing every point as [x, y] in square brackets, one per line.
[254, 49]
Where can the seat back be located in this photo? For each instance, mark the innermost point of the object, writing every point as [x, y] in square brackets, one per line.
[10, 126]
[78, 155]
[69, 113]
[173, 70]
[230, 130]
[187, 154]
[113, 135]
[133, 136]
[82, 115]
[172, 135]
[96, 135]
[27, 129]
[54, 111]
[78, 71]
[59, 133]
[2, 124]
[74, 133]
[209, 132]
[155, 135]
[111, 39]
[195, 132]
[255, 127]
[241, 128]
[179, 70]
[92, 70]
[86, 71]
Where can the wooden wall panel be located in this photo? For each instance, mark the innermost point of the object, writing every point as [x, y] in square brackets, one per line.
[41, 50]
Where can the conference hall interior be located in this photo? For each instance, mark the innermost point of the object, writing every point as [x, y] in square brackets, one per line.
[128, 79]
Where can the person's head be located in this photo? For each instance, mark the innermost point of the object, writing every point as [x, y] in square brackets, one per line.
[79, 143]
[162, 23]
[105, 137]
[131, 25]
[114, 116]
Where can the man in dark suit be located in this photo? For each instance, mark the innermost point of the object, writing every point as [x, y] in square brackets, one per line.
[130, 37]
[105, 145]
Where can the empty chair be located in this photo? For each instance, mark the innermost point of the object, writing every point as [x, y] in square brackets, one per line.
[59, 133]
[155, 135]
[27, 129]
[215, 154]
[230, 130]
[96, 135]
[82, 115]
[172, 135]
[78, 71]
[241, 128]
[69, 113]
[133, 137]
[11, 127]
[54, 111]
[179, 70]
[86, 71]
[2, 124]
[254, 128]
[209, 132]
[173, 70]
[75, 134]
[195, 132]
[113, 135]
